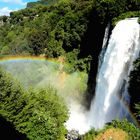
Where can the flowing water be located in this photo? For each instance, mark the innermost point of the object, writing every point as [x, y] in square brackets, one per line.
[112, 79]
[111, 96]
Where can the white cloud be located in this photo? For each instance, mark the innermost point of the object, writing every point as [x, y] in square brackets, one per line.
[5, 11]
[15, 2]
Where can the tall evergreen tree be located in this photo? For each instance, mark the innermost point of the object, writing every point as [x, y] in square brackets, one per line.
[38, 114]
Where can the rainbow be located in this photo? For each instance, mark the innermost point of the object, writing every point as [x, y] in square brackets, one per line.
[60, 60]
[8, 59]
[127, 108]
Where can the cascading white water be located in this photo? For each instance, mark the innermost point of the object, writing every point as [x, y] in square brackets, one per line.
[104, 46]
[123, 49]
[112, 80]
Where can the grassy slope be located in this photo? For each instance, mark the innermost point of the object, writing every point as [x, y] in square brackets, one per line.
[112, 134]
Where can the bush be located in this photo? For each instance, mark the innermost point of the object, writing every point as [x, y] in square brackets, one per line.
[129, 14]
[131, 129]
[90, 135]
[38, 114]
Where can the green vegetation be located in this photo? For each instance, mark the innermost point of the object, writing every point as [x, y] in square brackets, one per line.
[60, 33]
[38, 114]
[57, 28]
[131, 129]
[129, 14]
[90, 135]
[113, 133]
[134, 89]
[118, 130]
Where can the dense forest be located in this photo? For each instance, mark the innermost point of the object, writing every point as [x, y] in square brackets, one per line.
[74, 30]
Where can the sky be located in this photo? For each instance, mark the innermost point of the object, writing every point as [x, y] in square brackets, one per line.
[6, 6]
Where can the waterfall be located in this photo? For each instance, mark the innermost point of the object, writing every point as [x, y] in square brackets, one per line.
[104, 46]
[112, 79]
[111, 97]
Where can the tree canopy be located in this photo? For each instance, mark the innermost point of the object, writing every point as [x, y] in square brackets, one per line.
[38, 114]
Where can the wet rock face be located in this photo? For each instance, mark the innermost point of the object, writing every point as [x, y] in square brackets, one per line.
[73, 135]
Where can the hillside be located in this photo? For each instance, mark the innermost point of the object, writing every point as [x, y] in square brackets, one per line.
[73, 31]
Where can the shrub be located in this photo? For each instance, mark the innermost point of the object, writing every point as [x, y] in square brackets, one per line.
[38, 114]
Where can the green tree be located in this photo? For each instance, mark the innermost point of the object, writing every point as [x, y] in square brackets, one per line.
[36, 41]
[12, 96]
[5, 50]
[38, 114]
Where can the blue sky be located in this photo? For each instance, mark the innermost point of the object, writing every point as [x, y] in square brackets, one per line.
[6, 6]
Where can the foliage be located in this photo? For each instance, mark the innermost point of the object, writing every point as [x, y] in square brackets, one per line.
[58, 27]
[38, 114]
[137, 108]
[130, 128]
[90, 135]
[12, 96]
[117, 9]
[109, 9]
[35, 40]
[134, 87]
[116, 126]
[62, 28]
[112, 133]
[139, 20]
[129, 14]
